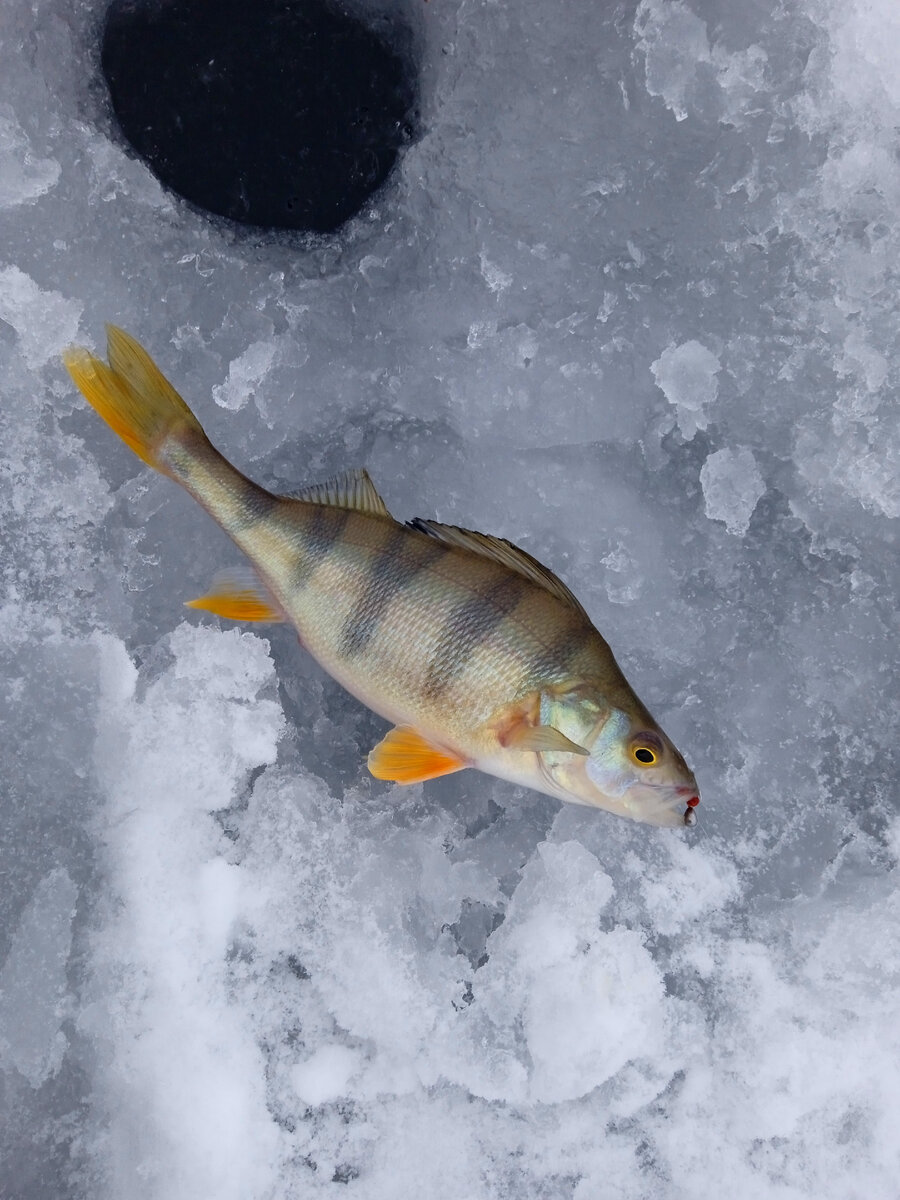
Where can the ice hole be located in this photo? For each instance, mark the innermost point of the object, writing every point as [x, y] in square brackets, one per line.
[278, 113]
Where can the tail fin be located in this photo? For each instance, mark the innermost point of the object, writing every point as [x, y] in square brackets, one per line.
[132, 395]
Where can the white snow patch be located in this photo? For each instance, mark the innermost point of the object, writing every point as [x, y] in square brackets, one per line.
[694, 883]
[325, 1075]
[588, 1000]
[184, 1085]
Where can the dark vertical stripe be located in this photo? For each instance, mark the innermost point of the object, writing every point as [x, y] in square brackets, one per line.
[557, 658]
[195, 463]
[394, 566]
[252, 507]
[324, 529]
[470, 624]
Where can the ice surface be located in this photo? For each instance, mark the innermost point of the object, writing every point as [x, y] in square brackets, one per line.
[630, 301]
[33, 981]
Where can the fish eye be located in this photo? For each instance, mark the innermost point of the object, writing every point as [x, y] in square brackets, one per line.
[646, 750]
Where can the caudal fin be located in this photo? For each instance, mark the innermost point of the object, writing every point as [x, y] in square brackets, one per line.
[132, 395]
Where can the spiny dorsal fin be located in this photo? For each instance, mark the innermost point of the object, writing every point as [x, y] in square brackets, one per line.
[349, 489]
[502, 551]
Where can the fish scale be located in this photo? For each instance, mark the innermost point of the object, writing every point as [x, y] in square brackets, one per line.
[479, 654]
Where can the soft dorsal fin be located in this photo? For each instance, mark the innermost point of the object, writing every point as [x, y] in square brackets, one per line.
[502, 551]
[349, 489]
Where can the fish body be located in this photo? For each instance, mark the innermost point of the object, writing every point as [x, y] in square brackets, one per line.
[476, 653]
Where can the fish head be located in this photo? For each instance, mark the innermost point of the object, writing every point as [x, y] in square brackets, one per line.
[632, 768]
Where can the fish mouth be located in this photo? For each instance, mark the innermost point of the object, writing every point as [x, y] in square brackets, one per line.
[670, 806]
[690, 798]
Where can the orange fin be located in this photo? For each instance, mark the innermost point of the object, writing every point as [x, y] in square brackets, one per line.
[132, 395]
[405, 756]
[239, 595]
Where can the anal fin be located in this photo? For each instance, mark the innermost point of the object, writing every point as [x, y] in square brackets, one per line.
[405, 756]
[238, 594]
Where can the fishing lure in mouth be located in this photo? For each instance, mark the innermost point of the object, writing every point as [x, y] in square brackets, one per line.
[477, 654]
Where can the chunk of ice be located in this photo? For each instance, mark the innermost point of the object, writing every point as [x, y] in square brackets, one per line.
[674, 42]
[245, 374]
[732, 488]
[23, 175]
[44, 321]
[687, 376]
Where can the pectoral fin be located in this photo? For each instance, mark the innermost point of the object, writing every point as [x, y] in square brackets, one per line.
[517, 727]
[539, 738]
[405, 756]
[239, 595]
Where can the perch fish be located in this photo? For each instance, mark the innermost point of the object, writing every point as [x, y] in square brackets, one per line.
[476, 653]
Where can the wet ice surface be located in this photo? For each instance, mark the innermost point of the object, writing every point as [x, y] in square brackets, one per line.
[630, 302]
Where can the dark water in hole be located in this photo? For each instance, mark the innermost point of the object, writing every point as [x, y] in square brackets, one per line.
[273, 113]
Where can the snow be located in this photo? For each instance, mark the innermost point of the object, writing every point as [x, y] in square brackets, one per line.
[326, 1074]
[629, 301]
[175, 903]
